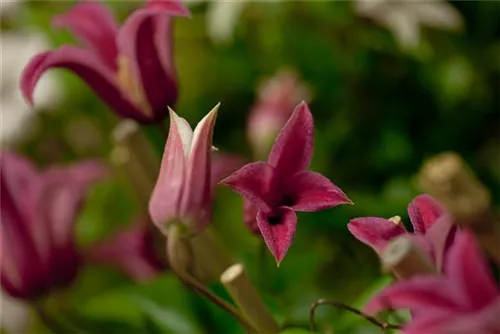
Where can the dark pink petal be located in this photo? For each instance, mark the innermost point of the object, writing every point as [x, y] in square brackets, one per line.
[196, 202]
[171, 177]
[154, 87]
[441, 235]
[424, 244]
[172, 7]
[292, 151]
[485, 320]
[421, 293]
[310, 191]
[95, 25]
[278, 230]
[58, 207]
[224, 165]
[431, 322]
[424, 211]
[374, 232]
[469, 273]
[130, 251]
[89, 68]
[253, 182]
[250, 217]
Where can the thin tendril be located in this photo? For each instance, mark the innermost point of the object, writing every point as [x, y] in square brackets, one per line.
[384, 326]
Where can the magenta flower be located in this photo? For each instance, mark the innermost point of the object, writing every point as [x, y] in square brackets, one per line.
[433, 230]
[38, 210]
[183, 191]
[465, 300]
[276, 100]
[283, 185]
[130, 68]
[131, 251]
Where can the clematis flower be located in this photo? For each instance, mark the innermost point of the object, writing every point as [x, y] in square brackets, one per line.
[433, 229]
[183, 191]
[131, 251]
[283, 185]
[465, 300]
[130, 68]
[38, 210]
[276, 100]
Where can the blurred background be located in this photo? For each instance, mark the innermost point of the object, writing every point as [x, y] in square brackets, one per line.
[390, 83]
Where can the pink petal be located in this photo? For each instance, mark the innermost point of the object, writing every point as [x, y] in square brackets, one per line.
[441, 235]
[421, 293]
[292, 151]
[430, 322]
[88, 67]
[250, 217]
[424, 211]
[172, 7]
[165, 198]
[253, 182]
[95, 25]
[374, 232]
[278, 235]
[485, 320]
[196, 199]
[137, 44]
[223, 165]
[313, 192]
[469, 273]
[85, 173]
[131, 251]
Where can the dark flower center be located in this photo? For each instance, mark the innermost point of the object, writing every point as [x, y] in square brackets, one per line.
[275, 219]
[288, 200]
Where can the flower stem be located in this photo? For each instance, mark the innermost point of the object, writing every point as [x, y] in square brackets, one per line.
[52, 323]
[239, 286]
[179, 267]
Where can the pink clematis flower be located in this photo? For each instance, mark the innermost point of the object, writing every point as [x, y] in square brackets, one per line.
[131, 251]
[38, 210]
[433, 229]
[283, 185]
[465, 300]
[130, 68]
[183, 191]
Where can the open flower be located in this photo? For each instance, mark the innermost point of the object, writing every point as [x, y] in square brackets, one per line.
[38, 210]
[283, 185]
[465, 300]
[131, 250]
[131, 68]
[183, 191]
[433, 229]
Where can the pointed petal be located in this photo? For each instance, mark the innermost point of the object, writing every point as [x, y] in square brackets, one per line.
[223, 165]
[95, 25]
[424, 211]
[86, 65]
[442, 236]
[374, 232]
[197, 197]
[131, 251]
[421, 293]
[87, 172]
[469, 273]
[292, 151]
[151, 86]
[312, 191]
[278, 230]
[484, 320]
[253, 182]
[172, 7]
[165, 198]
